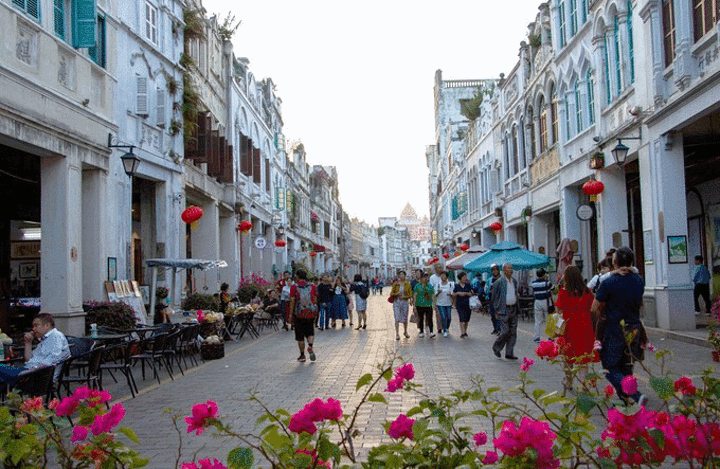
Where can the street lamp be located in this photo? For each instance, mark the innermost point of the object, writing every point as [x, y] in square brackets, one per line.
[620, 151]
[280, 230]
[130, 160]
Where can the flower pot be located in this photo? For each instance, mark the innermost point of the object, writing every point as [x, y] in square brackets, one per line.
[716, 355]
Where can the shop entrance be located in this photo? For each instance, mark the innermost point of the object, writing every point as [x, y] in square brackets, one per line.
[20, 235]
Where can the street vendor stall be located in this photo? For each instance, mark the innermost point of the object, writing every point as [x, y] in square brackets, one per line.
[175, 266]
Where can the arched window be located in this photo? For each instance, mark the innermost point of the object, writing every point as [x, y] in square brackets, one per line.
[616, 36]
[578, 107]
[583, 11]
[668, 16]
[591, 97]
[543, 126]
[554, 113]
[631, 53]
[515, 158]
[561, 21]
[573, 18]
[608, 93]
[531, 132]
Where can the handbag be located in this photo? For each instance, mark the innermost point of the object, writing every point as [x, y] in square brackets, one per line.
[551, 305]
[474, 302]
[391, 299]
[555, 325]
[413, 318]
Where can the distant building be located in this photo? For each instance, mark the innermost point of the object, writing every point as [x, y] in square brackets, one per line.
[419, 229]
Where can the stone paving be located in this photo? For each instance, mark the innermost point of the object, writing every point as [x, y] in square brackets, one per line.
[268, 366]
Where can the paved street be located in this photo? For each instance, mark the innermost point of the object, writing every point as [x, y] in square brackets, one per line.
[268, 365]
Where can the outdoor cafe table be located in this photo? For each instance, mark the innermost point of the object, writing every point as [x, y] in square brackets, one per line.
[108, 338]
[247, 325]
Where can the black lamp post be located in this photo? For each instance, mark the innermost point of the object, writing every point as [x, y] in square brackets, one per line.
[620, 152]
[130, 160]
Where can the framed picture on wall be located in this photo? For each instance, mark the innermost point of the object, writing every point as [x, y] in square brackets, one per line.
[112, 269]
[28, 270]
[25, 250]
[677, 249]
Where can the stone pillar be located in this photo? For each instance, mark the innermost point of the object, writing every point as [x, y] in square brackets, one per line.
[668, 290]
[229, 251]
[94, 234]
[61, 258]
[611, 210]
[206, 245]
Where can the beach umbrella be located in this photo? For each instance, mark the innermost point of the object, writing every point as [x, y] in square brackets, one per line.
[472, 253]
[499, 254]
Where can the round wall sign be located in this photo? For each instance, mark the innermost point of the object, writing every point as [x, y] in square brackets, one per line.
[260, 242]
[585, 212]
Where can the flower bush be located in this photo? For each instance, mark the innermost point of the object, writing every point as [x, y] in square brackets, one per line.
[195, 301]
[113, 314]
[31, 433]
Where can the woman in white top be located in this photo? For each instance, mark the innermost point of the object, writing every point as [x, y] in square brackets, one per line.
[443, 301]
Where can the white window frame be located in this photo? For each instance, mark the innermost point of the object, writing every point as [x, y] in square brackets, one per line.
[151, 22]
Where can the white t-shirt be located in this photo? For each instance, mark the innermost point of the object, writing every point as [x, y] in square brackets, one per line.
[443, 293]
[510, 297]
[435, 281]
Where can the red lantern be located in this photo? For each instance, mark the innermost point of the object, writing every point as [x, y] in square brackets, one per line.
[593, 188]
[496, 227]
[280, 243]
[191, 215]
[245, 226]
[464, 247]
[313, 254]
[446, 255]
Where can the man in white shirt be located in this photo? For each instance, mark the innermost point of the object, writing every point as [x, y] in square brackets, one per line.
[52, 349]
[504, 299]
[435, 280]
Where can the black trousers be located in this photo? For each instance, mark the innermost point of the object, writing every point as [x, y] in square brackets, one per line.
[702, 289]
[425, 316]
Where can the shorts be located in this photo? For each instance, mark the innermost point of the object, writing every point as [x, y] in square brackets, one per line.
[304, 328]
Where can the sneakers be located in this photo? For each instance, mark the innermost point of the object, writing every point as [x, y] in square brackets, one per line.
[497, 353]
[301, 358]
[421, 335]
[536, 340]
[311, 352]
[445, 334]
[407, 336]
[397, 337]
[358, 328]
[364, 326]
[432, 335]
[511, 357]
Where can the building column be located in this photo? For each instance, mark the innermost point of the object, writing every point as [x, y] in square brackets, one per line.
[94, 234]
[206, 245]
[61, 284]
[611, 211]
[229, 251]
[668, 290]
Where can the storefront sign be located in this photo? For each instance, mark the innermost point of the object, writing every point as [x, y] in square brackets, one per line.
[585, 212]
[260, 242]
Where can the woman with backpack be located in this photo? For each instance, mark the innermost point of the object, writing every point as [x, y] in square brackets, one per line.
[362, 291]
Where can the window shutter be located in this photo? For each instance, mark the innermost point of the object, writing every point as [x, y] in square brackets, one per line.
[256, 166]
[83, 15]
[141, 106]
[59, 18]
[97, 52]
[161, 108]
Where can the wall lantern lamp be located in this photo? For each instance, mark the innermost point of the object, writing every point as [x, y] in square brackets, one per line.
[130, 160]
[620, 151]
[280, 230]
[475, 233]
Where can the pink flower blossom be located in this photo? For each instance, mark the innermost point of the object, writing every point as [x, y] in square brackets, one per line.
[491, 457]
[629, 384]
[52, 405]
[526, 364]
[547, 349]
[597, 345]
[204, 464]
[480, 438]
[302, 421]
[685, 386]
[332, 410]
[315, 411]
[406, 372]
[202, 416]
[394, 384]
[104, 423]
[609, 390]
[33, 404]
[67, 406]
[650, 347]
[401, 427]
[514, 441]
[79, 433]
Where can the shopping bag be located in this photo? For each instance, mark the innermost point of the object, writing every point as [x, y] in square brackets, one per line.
[413, 318]
[555, 325]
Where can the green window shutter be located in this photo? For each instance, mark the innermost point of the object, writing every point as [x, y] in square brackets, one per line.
[59, 18]
[31, 7]
[83, 16]
[97, 52]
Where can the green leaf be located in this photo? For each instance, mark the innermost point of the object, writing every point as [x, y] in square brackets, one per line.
[363, 381]
[607, 463]
[240, 458]
[377, 397]
[663, 386]
[387, 376]
[585, 403]
[128, 432]
[327, 451]
[658, 436]
[301, 460]
[414, 411]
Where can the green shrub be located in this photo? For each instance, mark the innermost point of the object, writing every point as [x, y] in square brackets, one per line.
[195, 301]
[113, 314]
[246, 292]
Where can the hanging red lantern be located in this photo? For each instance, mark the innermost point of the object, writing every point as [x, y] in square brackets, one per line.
[245, 226]
[446, 255]
[464, 247]
[457, 254]
[281, 243]
[496, 227]
[593, 188]
[191, 215]
[313, 254]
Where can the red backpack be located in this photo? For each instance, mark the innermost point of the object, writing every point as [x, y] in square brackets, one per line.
[305, 308]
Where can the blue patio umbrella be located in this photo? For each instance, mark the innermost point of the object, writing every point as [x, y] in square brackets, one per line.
[520, 258]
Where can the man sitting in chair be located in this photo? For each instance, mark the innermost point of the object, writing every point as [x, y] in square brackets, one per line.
[52, 349]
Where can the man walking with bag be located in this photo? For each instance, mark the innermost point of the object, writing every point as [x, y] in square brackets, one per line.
[303, 304]
[542, 294]
[504, 301]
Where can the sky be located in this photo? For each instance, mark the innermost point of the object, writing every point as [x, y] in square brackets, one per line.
[356, 80]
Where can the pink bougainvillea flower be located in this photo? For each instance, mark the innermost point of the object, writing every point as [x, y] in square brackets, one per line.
[81, 393]
[597, 345]
[685, 386]
[104, 423]
[204, 464]
[650, 347]
[332, 410]
[79, 433]
[406, 372]
[303, 421]
[547, 349]
[52, 405]
[526, 364]
[609, 390]
[67, 406]
[401, 427]
[491, 457]
[480, 438]
[33, 404]
[394, 384]
[629, 384]
[514, 441]
[202, 416]
[315, 411]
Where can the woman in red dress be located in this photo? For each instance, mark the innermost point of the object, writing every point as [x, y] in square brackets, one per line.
[573, 303]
